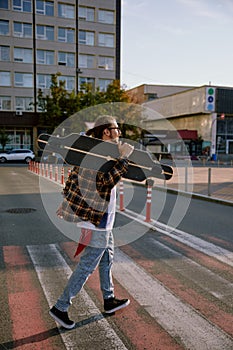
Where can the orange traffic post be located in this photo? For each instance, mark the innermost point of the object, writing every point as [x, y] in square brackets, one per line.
[46, 170]
[38, 168]
[121, 192]
[56, 173]
[51, 172]
[149, 183]
[62, 176]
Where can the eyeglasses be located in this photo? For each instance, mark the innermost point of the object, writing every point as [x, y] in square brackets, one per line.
[116, 128]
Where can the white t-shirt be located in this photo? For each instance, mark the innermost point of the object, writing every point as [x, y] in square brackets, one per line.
[110, 217]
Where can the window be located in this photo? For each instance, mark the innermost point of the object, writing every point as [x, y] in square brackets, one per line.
[5, 53]
[23, 30]
[5, 103]
[106, 40]
[44, 57]
[66, 35]
[45, 32]
[230, 125]
[106, 62]
[66, 59]
[22, 55]
[85, 80]
[43, 81]
[69, 82]
[4, 4]
[24, 104]
[86, 38]
[5, 79]
[103, 84]
[221, 126]
[105, 16]
[66, 11]
[23, 80]
[86, 13]
[86, 61]
[45, 8]
[22, 5]
[4, 27]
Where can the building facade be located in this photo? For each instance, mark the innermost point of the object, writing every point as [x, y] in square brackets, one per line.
[198, 114]
[78, 39]
[149, 92]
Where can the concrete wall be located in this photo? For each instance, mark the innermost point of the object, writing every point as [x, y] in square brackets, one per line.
[183, 103]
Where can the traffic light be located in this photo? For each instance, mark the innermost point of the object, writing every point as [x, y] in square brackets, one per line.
[210, 99]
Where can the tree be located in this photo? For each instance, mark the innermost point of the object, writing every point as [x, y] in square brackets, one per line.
[115, 93]
[4, 138]
[60, 104]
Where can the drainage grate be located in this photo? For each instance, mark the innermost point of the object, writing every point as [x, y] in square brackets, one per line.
[20, 210]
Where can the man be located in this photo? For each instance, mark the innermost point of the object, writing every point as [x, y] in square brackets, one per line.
[90, 200]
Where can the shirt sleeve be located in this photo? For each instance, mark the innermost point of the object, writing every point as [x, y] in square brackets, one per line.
[69, 181]
[111, 177]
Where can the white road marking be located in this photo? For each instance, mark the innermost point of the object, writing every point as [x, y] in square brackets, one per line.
[203, 277]
[48, 262]
[194, 242]
[177, 318]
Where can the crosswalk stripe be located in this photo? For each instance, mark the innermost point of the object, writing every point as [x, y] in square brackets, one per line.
[23, 300]
[48, 262]
[133, 323]
[208, 280]
[177, 318]
[190, 240]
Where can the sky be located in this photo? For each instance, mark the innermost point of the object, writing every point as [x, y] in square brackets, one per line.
[177, 42]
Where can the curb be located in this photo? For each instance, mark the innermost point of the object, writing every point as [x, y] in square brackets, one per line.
[188, 194]
[196, 196]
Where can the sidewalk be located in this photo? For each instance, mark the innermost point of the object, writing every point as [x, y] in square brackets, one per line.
[211, 182]
[214, 183]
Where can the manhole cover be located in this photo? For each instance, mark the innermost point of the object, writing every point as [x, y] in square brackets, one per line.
[20, 210]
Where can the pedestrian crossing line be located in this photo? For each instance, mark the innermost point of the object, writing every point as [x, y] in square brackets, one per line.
[48, 262]
[209, 281]
[216, 313]
[177, 318]
[219, 241]
[130, 322]
[192, 241]
[203, 259]
[25, 302]
[221, 318]
[134, 323]
[143, 331]
[5, 319]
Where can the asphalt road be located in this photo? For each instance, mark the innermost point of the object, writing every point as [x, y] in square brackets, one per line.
[202, 218]
[179, 281]
[19, 190]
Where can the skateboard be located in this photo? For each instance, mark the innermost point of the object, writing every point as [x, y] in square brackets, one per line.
[92, 153]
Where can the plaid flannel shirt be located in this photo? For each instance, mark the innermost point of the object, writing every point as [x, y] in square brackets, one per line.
[87, 192]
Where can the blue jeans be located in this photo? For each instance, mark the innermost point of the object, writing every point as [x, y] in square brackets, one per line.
[98, 253]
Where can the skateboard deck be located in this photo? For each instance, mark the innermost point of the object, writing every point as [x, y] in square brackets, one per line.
[92, 153]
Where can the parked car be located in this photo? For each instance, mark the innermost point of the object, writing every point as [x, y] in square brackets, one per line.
[25, 155]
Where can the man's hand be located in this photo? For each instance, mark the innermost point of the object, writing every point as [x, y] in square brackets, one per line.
[125, 149]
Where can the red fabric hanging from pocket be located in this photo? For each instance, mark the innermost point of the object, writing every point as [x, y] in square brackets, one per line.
[84, 240]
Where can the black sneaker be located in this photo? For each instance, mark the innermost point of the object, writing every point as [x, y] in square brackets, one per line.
[112, 304]
[61, 317]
